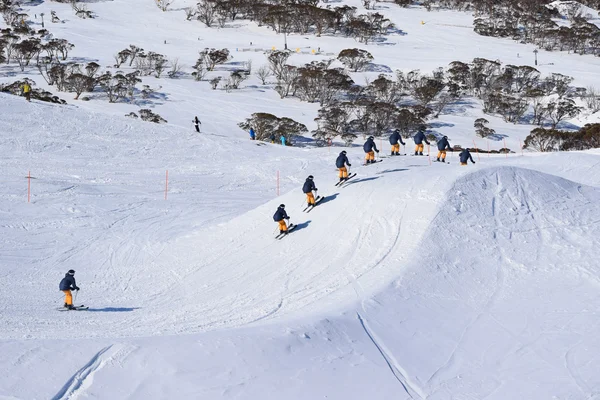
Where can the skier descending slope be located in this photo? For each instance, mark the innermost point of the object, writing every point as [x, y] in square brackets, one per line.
[396, 141]
[370, 148]
[465, 156]
[419, 139]
[341, 163]
[280, 217]
[308, 188]
[443, 145]
[66, 285]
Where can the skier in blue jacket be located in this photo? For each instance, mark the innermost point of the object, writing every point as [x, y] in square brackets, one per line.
[66, 285]
[370, 148]
[341, 163]
[309, 186]
[443, 145]
[396, 141]
[419, 139]
[465, 156]
[280, 217]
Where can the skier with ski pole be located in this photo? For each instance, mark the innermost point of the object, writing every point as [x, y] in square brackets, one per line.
[419, 139]
[66, 285]
[396, 141]
[340, 164]
[443, 145]
[370, 149]
[308, 188]
[465, 156]
[280, 217]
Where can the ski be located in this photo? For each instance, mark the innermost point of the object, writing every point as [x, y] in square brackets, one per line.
[377, 161]
[443, 162]
[345, 180]
[77, 308]
[284, 234]
[317, 199]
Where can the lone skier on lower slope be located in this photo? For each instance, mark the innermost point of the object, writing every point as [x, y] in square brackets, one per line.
[396, 141]
[308, 188]
[66, 285]
[370, 149]
[341, 163]
[281, 217]
[419, 139]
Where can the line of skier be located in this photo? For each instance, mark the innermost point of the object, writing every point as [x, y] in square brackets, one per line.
[370, 148]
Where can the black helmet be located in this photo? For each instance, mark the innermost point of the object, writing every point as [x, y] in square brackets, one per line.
[311, 177]
[446, 137]
[343, 152]
[371, 137]
[71, 272]
[396, 130]
[282, 206]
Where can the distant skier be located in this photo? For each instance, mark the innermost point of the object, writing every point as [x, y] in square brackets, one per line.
[66, 285]
[252, 134]
[443, 145]
[419, 139]
[272, 138]
[308, 188]
[396, 141]
[282, 138]
[341, 163]
[197, 124]
[465, 156]
[280, 217]
[370, 149]
[26, 91]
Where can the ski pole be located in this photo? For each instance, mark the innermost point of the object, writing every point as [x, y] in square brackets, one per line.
[75, 299]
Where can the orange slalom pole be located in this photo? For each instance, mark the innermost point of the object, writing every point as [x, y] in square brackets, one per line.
[477, 150]
[429, 153]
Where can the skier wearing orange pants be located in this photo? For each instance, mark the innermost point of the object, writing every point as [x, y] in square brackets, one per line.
[280, 217]
[66, 285]
[308, 188]
[341, 163]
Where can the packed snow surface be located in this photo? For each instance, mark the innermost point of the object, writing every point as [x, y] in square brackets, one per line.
[417, 280]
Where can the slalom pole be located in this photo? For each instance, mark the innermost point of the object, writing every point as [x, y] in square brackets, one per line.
[505, 149]
[429, 153]
[477, 150]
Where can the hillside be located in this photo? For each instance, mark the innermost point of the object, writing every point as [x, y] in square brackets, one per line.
[416, 280]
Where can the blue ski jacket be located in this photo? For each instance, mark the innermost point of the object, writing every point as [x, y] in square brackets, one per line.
[280, 214]
[370, 146]
[420, 138]
[465, 156]
[395, 138]
[68, 283]
[341, 161]
[443, 144]
[309, 186]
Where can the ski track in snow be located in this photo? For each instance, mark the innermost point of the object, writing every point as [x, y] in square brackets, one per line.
[83, 379]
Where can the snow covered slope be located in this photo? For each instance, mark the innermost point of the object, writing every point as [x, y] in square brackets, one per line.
[415, 281]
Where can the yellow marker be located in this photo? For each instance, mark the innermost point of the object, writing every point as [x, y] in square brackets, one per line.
[422, 22]
[273, 48]
[297, 50]
[313, 51]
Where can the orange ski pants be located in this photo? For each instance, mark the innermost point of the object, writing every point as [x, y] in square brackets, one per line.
[68, 297]
[282, 225]
[442, 153]
[419, 147]
[310, 197]
[370, 155]
[343, 172]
